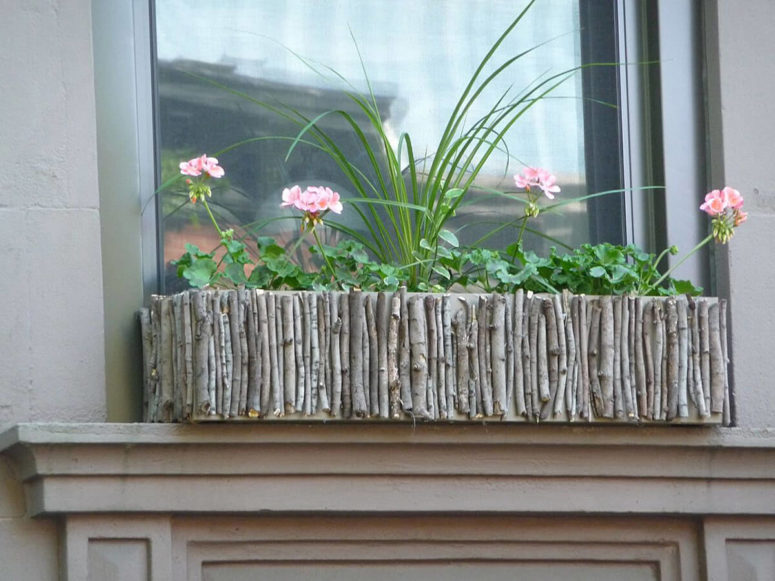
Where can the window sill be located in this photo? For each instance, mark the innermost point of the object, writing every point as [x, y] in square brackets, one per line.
[381, 468]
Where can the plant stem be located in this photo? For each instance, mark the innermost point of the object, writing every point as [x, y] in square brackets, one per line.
[217, 228]
[519, 239]
[679, 263]
[323, 254]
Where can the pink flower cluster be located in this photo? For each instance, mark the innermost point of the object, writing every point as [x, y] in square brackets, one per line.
[314, 200]
[718, 202]
[537, 178]
[195, 167]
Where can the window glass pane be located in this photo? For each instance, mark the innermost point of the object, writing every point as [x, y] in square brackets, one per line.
[418, 56]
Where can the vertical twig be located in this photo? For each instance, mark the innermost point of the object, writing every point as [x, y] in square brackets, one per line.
[553, 356]
[698, 385]
[648, 359]
[441, 383]
[344, 353]
[263, 348]
[533, 321]
[598, 402]
[336, 356]
[508, 332]
[449, 371]
[360, 408]
[188, 341]
[562, 345]
[658, 321]
[419, 356]
[619, 330]
[673, 358]
[606, 359]
[394, 382]
[277, 388]
[498, 351]
[289, 353]
[167, 378]
[543, 363]
[474, 381]
[727, 414]
[145, 333]
[323, 372]
[254, 359]
[429, 303]
[484, 394]
[314, 353]
[626, 361]
[460, 327]
[519, 335]
[217, 343]
[716, 360]
[702, 308]
[373, 357]
[404, 355]
[202, 329]
[583, 399]
[228, 355]
[298, 352]
[383, 320]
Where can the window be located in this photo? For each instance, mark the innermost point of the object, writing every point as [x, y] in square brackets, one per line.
[419, 57]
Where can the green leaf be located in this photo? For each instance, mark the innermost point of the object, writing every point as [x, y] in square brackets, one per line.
[425, 245]
[201, 271]
[441, 271]
[597, 272]
[449, 238]
[236, 273]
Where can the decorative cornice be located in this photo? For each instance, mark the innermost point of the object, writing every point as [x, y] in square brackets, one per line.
[378, 468]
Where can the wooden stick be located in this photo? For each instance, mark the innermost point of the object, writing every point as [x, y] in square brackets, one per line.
[314, 354]
[188, 342]
[228, 361]
[658, 318]
[429, 303]
[180, 357]
[404, 355]
[155, 393]
[571, 369]
[527, 368]
[279, 346]
[243, 337]
[641, 384]
[460, 327]
[509, 335]
[166, 377]
[484, 394]
[419, 356]
[698, 386]
[441, 383]
[606, 359]
[584, 399]
[727, 413]
[236, 353]
[307, 348]
[394, 382]
[533, 321]
[344, 353]
[578, 382]
[619, 331]
[323, 387]
[597, 399]
[683, 357]
[278, 408]
[553, 356]
[632, 329]
[202, 329]
[648, 358]
[298, 353]
[373, 356]
[626, 366]
[383, 321]
[336, 356]
[672, 358]
[289, 354]
[498, 350]
[716, 360]
[263, 349]
[705, 368]
[215, 299]
[366, 359]
[360, 409]
[145, 333]
[254, 359]
[519, 379]
[562, 345]
[543, 363]
[475, 409]
[326, 346]
[449, 371]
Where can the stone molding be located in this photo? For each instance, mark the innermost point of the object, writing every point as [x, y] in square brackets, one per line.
[386, 468]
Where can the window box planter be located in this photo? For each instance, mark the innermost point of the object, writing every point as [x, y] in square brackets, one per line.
[252, 355]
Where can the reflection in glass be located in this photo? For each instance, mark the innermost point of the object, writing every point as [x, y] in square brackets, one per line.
[418, 56]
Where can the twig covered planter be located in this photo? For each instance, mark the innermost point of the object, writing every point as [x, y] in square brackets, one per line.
[261, 355]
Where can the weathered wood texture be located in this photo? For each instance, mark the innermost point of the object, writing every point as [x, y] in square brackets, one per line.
[259, 355]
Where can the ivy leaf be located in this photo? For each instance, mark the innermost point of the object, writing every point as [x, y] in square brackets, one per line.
[449, 238]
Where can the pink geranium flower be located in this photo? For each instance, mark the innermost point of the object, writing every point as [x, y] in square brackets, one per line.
[537, 178]
[733, 198]
[726, 208]
[198, 189]
[314, 201]
[715, 203]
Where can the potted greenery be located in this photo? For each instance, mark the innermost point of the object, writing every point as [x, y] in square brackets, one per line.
[400, 322]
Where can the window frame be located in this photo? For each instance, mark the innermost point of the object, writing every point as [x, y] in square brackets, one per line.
[653, 218]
